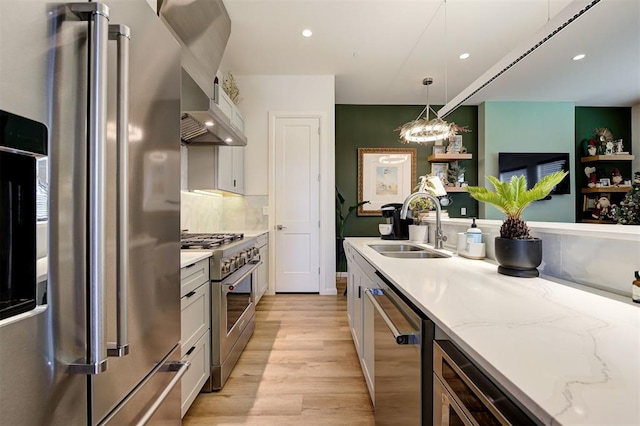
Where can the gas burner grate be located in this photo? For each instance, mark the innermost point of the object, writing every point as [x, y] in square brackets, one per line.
[208, 241]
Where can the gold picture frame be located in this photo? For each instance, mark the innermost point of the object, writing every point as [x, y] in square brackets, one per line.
[385, 175]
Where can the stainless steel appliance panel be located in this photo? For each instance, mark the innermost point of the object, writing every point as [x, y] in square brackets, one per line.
[156, 399]
[464, 395]
[43, 66]
[402, 358]
[154, 203]
[42, 44]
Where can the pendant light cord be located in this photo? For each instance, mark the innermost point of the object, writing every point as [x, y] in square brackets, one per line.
[446, 56]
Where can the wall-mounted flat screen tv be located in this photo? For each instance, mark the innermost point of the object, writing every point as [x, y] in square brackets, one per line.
[535, 165]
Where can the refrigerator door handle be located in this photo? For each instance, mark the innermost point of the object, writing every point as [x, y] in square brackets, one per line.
[97, 14]
[122, 34]
[181, 368]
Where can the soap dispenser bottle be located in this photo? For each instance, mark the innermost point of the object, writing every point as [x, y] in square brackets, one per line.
[474, 234]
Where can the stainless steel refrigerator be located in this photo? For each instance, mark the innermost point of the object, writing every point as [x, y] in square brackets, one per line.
[102, 343]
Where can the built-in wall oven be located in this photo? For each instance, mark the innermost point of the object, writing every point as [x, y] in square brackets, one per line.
[23, 149]
[463, 395]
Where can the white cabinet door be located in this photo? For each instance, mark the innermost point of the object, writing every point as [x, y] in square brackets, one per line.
[231, 169]
[368, 343]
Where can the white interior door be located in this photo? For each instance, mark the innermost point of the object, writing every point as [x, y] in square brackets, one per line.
[297, 204]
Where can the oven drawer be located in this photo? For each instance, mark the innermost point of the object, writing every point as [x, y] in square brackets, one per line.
[198, 373]
[195, 316]
[192, 276]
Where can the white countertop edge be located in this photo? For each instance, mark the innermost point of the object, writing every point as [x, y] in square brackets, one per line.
[189, 257]
[551, 310]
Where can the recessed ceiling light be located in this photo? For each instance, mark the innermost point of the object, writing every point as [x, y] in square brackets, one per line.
[228, 140]
[307, 33]
[464, 56]
[578, 57]
[208, 123]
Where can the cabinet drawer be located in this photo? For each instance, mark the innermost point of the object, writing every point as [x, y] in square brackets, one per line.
[194, 316]
[198, 372]
[193, 276]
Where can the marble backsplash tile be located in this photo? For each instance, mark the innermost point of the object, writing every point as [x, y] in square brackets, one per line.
[200, 212]
[211, 212]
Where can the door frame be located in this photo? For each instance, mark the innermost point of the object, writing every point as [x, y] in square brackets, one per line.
[327, 195]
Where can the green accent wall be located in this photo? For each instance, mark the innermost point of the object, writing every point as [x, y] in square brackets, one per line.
[528, 127]
[618, 121]
[373, 126]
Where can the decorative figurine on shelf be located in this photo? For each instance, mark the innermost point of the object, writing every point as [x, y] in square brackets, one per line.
[616, 177]
[591, 176]
[619, 146]
[603, 136]
[604, 209]
[592, 149]
[629, 211]
[608, 150]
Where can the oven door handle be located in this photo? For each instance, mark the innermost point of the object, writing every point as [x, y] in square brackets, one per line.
[226, 285]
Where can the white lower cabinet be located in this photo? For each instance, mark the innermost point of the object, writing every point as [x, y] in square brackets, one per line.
[195, 339]
[360, 276]
[200, 359]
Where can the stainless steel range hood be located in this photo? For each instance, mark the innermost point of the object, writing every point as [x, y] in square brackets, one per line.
[203, 28]
[209, 127]
[202, 121]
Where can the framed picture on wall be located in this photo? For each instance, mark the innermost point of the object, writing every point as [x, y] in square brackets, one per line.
[439, 170]
[385, 175]
[438, 149]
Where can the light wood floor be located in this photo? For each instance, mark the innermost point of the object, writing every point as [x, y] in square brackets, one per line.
[299, 368]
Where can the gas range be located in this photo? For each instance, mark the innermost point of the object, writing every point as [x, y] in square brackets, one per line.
[207, 241]
[230, 251]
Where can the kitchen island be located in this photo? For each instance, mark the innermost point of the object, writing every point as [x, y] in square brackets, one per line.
[567, 355]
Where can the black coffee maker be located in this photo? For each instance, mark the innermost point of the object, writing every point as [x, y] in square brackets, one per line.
[399, 227]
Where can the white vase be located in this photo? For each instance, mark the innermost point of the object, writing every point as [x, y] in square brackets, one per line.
[418, 233]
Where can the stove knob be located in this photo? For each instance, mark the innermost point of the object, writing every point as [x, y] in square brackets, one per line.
[226, 267]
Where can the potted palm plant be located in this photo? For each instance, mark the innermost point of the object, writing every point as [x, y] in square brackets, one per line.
[516, 251]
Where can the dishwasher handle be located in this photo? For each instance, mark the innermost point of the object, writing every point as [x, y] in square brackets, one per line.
[400, 338]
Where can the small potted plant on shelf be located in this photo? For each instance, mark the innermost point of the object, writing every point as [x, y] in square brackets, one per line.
[516, 251]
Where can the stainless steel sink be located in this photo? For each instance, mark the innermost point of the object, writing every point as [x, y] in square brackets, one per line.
[425, 254]
[407, 251]
[395, 247]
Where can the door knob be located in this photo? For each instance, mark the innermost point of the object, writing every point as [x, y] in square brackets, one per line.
[280, 227]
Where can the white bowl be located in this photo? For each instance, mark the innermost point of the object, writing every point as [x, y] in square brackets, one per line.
[385, 228]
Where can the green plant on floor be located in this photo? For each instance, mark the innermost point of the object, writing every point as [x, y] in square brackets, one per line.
[512, 198]
[341, 217]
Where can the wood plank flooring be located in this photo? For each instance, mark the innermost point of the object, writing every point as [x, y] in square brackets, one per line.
[299, 368]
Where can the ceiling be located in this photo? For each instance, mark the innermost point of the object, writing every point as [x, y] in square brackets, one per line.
[380, 50]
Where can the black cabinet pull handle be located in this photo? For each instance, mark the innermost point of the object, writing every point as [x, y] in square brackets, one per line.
[191, 293]
[193, 348]
[189, 266]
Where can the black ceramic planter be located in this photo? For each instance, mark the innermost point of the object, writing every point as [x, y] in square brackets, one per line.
[518, 258]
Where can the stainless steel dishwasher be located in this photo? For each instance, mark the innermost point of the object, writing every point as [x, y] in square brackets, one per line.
[403, 353]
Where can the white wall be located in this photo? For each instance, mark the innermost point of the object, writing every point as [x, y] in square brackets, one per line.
[292, 93]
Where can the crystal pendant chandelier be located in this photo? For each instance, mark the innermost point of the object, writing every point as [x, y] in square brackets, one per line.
[422, 130]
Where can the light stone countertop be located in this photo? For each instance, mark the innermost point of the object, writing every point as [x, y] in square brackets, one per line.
[570, 356]
[188, 257]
